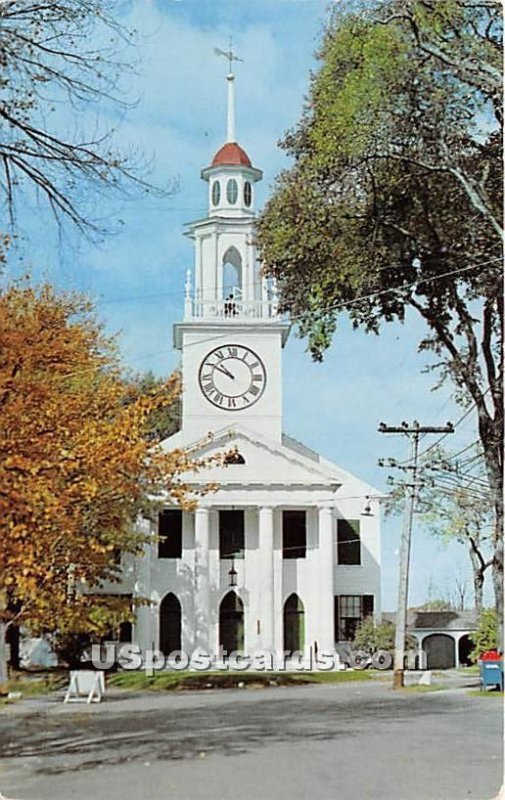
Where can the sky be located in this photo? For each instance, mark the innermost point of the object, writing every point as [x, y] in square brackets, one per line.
[136, 276]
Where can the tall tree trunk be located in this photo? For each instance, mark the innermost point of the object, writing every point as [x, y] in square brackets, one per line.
[478, 577]
[13, 639]
[4, 650]
[493, 461]
[498, 577]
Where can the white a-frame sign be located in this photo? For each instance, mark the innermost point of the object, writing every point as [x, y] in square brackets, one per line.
[86, 686]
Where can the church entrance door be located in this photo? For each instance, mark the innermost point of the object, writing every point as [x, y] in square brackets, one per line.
[231, 623]
[294, 624]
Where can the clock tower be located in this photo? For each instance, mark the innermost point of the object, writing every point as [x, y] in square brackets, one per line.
[231, 337]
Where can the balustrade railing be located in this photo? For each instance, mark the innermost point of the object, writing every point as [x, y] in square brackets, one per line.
[233, 310]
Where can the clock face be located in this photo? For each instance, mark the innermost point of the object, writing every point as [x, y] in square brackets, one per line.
[232, 377]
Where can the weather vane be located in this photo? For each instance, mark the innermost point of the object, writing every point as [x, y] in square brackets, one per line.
[229, 54]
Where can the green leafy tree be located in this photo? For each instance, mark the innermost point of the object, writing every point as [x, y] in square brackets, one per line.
[372, 636]
[486, 636]
[393, 203]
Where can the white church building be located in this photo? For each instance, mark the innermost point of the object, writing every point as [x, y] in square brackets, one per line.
[282, 556]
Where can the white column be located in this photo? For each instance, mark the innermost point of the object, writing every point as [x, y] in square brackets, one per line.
[199, 297]
[145, 627]
[218, 275]
[202, 588]
[326, 641]
[266, 540]
[188, 301]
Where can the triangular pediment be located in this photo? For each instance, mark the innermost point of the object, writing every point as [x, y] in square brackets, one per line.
[266, 462]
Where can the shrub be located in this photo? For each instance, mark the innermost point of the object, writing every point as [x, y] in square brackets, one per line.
[371, 636]
[486, 636]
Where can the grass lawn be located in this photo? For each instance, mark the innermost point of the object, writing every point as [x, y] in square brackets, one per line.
[40, 684]
[487, 693]
[32, 686]
[173, 681]
[473, 670]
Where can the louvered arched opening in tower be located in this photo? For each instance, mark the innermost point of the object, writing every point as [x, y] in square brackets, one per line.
[232, 275]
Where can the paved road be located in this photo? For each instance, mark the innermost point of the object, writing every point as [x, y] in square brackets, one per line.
[342, 741]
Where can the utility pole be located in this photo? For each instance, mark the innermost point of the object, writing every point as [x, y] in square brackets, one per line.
[414, 432]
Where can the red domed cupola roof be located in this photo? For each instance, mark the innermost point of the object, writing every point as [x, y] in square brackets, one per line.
[231, 154]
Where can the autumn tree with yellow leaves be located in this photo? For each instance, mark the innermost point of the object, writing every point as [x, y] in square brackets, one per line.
[77, 465]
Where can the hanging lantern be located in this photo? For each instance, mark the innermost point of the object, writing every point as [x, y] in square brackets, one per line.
[232, 574]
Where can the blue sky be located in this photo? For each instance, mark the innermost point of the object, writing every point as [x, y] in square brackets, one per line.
[137, 275]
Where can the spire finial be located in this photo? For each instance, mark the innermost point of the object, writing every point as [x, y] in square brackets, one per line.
[230, 55]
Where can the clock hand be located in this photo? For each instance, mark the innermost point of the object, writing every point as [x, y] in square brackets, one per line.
[225, 371]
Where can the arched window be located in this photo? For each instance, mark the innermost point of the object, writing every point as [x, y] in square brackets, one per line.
[247, 194]
[170, 624]
[216, 193]
[232, 274]
[294, 624]
[232, 191]
[231, 623]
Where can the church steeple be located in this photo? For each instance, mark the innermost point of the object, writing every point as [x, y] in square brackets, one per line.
[231, 175]
[227, 269]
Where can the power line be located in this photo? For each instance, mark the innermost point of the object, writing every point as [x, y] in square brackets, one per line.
[211, 293]
[468, 447]
[455, 425]
[344, 305]
[414, 433]
[338, 306]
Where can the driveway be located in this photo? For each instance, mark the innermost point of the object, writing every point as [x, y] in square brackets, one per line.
[355, 740]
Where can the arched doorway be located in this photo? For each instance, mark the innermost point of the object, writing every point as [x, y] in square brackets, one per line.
[231, 623]
[294, 624]
[440, 651]
[170, 624]
[465, 647]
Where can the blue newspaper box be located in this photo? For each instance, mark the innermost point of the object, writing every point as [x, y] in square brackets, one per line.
[491, 674]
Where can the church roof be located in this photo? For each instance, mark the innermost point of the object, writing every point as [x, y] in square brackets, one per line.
[231, 154]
